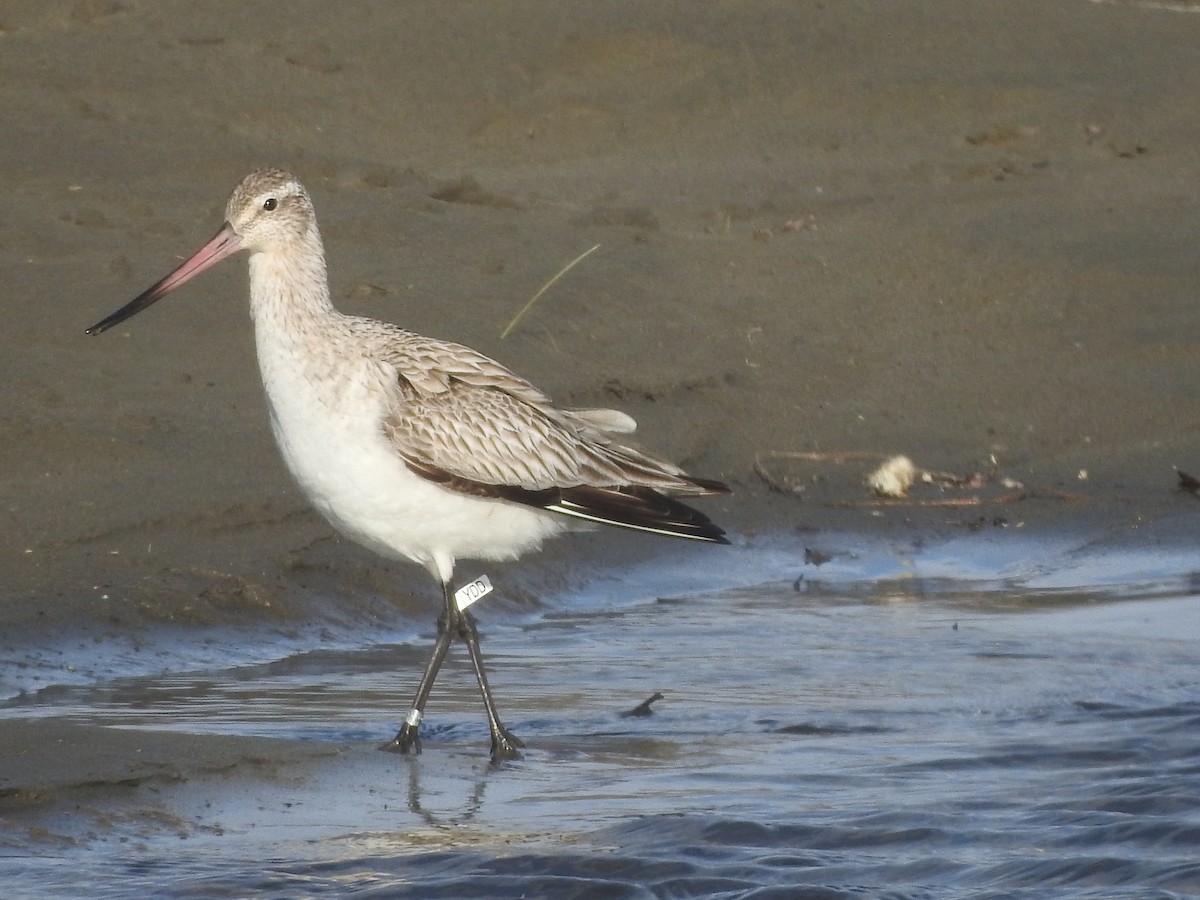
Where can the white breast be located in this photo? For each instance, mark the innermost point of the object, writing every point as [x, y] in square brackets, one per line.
[326, 412]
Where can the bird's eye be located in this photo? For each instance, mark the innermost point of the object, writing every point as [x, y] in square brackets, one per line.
[270, 203]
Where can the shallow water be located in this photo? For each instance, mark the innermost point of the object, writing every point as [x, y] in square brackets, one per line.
[910, 735]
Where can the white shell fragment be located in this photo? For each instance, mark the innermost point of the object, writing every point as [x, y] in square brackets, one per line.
[894, 477]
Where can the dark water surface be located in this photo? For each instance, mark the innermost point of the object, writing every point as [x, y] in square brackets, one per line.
[907, 734]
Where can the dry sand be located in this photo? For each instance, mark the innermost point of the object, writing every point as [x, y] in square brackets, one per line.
[964, 231]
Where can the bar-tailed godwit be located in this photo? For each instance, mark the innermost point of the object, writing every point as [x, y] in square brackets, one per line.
[417, 448]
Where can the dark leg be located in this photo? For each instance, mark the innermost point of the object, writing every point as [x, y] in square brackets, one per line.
[504, 743]
[408, 738]
[453, 622]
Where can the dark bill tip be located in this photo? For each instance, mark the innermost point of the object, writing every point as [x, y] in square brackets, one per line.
[132, 308]
[222, 244]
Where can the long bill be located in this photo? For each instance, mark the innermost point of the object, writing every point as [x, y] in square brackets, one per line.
[224, 243]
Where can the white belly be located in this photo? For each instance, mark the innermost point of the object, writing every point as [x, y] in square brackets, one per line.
[329, 432]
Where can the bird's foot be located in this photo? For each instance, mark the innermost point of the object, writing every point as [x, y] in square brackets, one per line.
[505, 746]
[408, 740]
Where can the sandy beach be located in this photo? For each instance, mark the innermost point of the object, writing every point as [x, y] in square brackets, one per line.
[956, 231]
[960, 231]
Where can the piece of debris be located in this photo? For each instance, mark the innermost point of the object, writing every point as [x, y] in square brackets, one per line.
[949, 480]
[643, 708]
[897, 474]
[816, 557]
[894, 477]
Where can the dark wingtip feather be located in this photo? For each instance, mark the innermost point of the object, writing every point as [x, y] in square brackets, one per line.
[639, 508]
[642, 509]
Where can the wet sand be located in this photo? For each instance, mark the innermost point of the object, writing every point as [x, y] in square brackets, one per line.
[961, 231]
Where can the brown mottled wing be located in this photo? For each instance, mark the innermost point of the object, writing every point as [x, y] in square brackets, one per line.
[431, 366]
[464, 421]
[487, 435]
[456, 410]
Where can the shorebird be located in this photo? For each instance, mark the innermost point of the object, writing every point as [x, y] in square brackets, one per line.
[421, 449]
